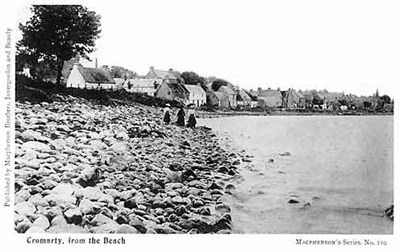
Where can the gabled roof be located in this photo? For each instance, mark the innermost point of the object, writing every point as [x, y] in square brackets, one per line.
[331, 96]
[252, 96]
[243, 95]
[293, 92]
[226, 89]
[163, 74]
[96, 75]
[301, 96]
[307, 95]
[194, 89]
[319, 96]
[220, 95]
[143, 82]
[177, 88]
[270, 93]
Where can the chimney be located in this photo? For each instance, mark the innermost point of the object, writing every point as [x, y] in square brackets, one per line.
[171, 70]
[95, 64]
[259, 89]
[151, 69]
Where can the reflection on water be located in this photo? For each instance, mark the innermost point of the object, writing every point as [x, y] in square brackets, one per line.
[338, 172]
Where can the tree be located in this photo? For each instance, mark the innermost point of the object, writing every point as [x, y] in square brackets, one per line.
[192, 78]
[121, 72]
[385, 99]
[218, 83]
[57, 33]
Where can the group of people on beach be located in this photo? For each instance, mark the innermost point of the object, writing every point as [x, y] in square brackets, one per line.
[191, 123]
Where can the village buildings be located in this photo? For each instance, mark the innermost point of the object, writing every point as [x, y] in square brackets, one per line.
[243, 99]
[90, 78]
[332, 100]
[292, 99]
[144, 86]
[269, 98]
[169, 76]
[169, 85]
[173, 92]
[197, 95]
[227, 97]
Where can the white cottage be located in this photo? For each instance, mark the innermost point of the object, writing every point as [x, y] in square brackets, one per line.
[90, 78]
[197, 95]
[145, 86]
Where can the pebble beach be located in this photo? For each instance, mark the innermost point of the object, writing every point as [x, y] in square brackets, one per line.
[86, 167]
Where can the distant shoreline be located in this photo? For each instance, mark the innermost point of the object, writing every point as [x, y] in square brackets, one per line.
[206, 114]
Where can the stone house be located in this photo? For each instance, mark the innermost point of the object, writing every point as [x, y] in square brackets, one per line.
[333, 100]
[229, 94]
[308, 98]
[292, 99]
[90, 78]
[173, 92]
[254, 100]
[269, 98]
[222, 99]
[242, 98]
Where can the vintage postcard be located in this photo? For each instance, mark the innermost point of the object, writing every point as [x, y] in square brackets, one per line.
[199, 125]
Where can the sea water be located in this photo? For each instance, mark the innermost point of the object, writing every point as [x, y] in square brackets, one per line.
[336, 170]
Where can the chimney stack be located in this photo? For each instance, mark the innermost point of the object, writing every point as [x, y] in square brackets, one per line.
[95, 64]
[171, 70]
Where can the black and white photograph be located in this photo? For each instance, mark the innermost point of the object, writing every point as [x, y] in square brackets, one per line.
[199, 125]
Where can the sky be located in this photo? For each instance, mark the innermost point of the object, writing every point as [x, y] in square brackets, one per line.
[351, 46]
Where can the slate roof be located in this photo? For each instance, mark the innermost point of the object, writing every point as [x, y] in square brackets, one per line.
[167, 74]
[270, 93]
[301, 96]
[177, 88]
[252, 96]
[143, 82]
[332, 96]
[227, 90]
[243, 95]
[195, 89]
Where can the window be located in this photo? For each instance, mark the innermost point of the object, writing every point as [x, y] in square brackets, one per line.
[169, 92]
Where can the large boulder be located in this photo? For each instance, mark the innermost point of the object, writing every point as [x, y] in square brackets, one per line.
[25, 208]
[35, 145]
[73, 216]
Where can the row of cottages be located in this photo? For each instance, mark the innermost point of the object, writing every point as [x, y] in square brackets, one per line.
[90, 78]
[169, 85]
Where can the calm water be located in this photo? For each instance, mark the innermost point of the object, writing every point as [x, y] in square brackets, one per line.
[340, 169]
